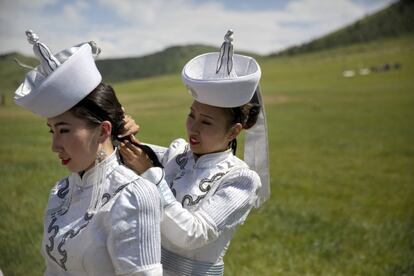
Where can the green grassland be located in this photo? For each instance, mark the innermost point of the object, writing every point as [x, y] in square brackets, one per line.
[342, 166]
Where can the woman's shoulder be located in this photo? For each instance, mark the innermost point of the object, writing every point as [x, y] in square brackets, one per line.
[59, 193]
[164, 154]
[174, 145]
[241, 175]
[61, 187]
[127, 182]
[122, 175]
[135, 198]
[237, 162]
[132, 206]
[239, 167]
[178, 145]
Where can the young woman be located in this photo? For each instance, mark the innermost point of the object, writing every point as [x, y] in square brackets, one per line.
[206, 190]
[102, 219]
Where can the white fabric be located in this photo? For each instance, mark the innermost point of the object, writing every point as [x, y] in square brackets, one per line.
[122, 237]
[213, 196]
[50, 91]
[208, 87]
[256, 152]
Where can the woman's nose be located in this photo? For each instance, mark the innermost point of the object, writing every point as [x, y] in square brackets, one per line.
[55, 144]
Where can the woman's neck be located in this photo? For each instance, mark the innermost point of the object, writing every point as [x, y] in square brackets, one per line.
[106, 150]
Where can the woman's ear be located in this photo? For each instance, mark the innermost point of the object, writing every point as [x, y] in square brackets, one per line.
[235, 131]
[106, 130]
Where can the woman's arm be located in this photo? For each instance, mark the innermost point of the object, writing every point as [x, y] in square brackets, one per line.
[227, 208]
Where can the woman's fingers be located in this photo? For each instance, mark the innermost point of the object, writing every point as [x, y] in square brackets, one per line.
[127, 153]
[134, 139]
[130, 127]
[134, 149]
[134, 157]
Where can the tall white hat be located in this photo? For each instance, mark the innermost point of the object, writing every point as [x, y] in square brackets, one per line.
[222, 79]
[60, 81]
[228, 80]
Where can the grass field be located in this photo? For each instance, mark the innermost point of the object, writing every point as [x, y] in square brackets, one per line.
[342, 166]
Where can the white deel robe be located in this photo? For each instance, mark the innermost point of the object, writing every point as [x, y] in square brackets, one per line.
[121, 238]
[213, 195]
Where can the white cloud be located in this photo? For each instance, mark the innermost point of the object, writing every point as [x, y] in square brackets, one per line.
[133, 28]
[73, 13]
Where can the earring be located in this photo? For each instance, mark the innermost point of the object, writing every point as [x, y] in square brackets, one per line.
[100, 156]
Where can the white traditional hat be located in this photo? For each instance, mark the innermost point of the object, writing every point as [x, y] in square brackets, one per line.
[61, 80]
[228, 80]
[222, 79]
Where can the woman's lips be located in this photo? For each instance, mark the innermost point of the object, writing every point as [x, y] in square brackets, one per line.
[194, 141]
[65, 161]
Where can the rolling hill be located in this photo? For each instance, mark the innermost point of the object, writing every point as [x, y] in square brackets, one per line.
[11, 74]
[391, 22]
[170, 60]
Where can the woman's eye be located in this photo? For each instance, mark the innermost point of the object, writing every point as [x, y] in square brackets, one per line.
[64, 131]
[206, 123]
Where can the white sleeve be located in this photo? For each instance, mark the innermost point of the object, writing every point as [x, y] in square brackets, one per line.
[227, 208]
[133, 226]
[158, 150]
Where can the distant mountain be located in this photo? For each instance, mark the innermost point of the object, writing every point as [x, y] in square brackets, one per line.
[168, 61]
[393, 21]
[11, 74]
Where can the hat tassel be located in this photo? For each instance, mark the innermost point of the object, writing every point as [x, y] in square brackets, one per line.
[226, 57]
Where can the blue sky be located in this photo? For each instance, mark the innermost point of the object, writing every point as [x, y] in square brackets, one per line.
[125, 28]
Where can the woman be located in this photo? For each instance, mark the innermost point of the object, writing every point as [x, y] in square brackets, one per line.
[206, 190]
[102, 219]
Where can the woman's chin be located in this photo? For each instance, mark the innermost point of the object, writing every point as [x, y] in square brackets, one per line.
[195, 150]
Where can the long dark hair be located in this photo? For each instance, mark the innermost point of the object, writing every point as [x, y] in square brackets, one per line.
[246, 115]
[101, 105]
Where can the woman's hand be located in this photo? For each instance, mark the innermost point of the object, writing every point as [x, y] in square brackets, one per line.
[134, 157]
[130, 127]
